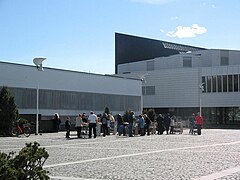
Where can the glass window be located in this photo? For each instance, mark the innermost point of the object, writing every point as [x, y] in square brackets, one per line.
[209, 83]
[150, 65]
[150, 90]
[224, 57]
[235, 83]
[239, 82]
[224, 61]
[144, 90]
[214, 84]
[187, 61]
[219, 83]
[54, 99]
[204, 84]
[224, 83]
[230, 83]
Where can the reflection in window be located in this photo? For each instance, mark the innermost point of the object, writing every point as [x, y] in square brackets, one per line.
[230, 83]
[204, 84]
[224, 61]
[219, 83]
[235, 77]
[148, 90]
[224, 83]
[239, 82]
[209, 84]
[214, 84]
[144, 90]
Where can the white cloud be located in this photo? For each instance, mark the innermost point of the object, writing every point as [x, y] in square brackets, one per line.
[161, 30]
[151, 1]
[174, 18]
[187, 32]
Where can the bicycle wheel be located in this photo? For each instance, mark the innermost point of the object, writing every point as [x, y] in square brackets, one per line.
[27, 131]
[15, 131]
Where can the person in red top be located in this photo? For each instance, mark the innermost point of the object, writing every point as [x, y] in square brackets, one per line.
[199, 122]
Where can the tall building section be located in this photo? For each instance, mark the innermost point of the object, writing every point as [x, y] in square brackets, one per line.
[172, 81]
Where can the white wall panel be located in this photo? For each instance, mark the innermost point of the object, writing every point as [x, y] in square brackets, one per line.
[16, 75]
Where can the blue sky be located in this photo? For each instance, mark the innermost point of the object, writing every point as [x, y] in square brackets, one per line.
[79, 34]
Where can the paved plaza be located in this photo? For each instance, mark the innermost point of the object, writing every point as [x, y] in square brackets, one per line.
[213, 155]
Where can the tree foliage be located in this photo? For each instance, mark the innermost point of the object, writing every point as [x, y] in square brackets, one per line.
[27, 165]
[151, 114]
[8, 111]
[106, 110]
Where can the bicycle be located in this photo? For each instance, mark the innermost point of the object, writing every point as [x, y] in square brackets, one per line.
[24, 129]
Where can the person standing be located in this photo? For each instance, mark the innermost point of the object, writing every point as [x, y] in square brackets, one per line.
[167, 121]
[172, 124]
[160, 124]
[92, 120]
[104, 124]
[56, 122]
[142, 125]
[67, 127]
[148, 123]
[78, 125]
[199, 122]
[130, 124]
[191, 123]
[120, 125]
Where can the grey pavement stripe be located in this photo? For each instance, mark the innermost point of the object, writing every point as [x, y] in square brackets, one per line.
[71, 178]
[138, 154]
[220, 174]
[72, 144]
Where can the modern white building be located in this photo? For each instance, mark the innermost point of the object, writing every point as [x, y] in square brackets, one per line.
[172, 83]
[68, 93]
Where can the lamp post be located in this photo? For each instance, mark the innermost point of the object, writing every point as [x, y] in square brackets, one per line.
[38, 63]
[143, 79]
[201, 89]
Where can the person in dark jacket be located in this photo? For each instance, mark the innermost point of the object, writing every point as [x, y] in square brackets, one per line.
[147, 123]
[167, 121]
[160, 124]
[120, 125]
[104, 120]
[67, 127]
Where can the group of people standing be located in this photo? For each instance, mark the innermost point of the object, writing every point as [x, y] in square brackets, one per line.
[91, 121]
[126, 126]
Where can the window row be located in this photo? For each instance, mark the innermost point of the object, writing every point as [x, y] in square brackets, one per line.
[148, 90]
[52, 99]
[221, 83]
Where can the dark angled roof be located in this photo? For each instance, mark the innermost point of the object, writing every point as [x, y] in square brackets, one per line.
[130, 48]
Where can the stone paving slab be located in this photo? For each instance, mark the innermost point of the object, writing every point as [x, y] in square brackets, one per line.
[213, 155]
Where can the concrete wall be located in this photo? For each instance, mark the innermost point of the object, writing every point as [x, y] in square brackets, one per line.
[25, 76]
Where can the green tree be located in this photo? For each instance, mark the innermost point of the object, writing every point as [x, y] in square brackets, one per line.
[8, 111]
[106, 110]
[151, 114]
[27, 165]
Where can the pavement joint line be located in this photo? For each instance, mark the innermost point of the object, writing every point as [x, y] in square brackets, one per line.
[219, 174]
[71, 178]
[72, 144]
[138, 154]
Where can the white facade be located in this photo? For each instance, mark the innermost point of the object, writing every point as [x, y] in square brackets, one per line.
[176, 79]
[25, 76]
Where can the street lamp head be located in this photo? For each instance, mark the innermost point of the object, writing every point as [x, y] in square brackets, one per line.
[38, 63]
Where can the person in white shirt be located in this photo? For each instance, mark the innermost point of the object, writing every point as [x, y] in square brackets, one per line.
[92, 120]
